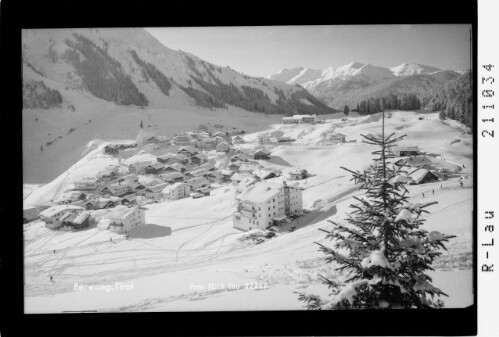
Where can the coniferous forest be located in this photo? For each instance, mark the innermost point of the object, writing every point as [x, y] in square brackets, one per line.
[102, 75]
[38, 95]
[453, 99]
[150, 71]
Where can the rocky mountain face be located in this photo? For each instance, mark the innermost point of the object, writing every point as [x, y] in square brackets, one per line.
[130, 67]
[356, 81]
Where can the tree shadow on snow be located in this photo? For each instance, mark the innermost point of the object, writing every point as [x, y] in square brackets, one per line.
[149, 231]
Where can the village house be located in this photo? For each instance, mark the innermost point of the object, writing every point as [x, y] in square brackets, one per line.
[227, 174]
[122, 218]
[240, 157]
[165, 158]
[155, 192]
[300, 119]
[68, 198]
[107, 175]
[237, 139]
[102, 203]
[421, 176]
[223, 147]
[264, 174]
[218, 126]
[199, 172]
[52, 215]
[158, 140]
[77, 221]
[238, 177]
[208, 143]
[284, 140]
[248, 168]
[179, 158]
[204, 191]
[177, 167]
[298, 174]
[199, 159]
[111, 149]
[139, 167]
[87, 184]
[404, 151]
[218, 134]
[197, 183]
[210, 166]
[172, 177]
[155, 168]
[129, 199]
[176, 191]
[261, 155]
[140, 188]
[234, 167]
[122, 188]
[337, 138]
[182, 140]
[216, 177]
[128, 177]
[187, 151]
[263, 139]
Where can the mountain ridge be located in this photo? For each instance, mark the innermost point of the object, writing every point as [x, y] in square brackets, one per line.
[350, 83]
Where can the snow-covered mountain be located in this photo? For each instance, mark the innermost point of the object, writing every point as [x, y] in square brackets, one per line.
[356, 70]
[296, 75]
[285, 75]
[85, 80]
[348, 84]
[408, 69]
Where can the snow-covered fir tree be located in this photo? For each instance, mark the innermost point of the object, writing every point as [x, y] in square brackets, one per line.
[381, 246]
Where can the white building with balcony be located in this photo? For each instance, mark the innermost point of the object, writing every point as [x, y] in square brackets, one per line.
[122, 218]
[264, 204]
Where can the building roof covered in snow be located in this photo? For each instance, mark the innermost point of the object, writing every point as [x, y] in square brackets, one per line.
[418, 174]
[260, 192]
[197, 182]
[157, 188]
[51, 211]
[171, 176]
[121, 212]
[172, 187]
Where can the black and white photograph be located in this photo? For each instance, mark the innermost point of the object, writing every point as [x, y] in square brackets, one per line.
[247, 168]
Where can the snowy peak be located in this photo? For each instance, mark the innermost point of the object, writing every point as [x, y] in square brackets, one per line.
[367, 72]
[409, 69]
[285, 75]
[305, 75]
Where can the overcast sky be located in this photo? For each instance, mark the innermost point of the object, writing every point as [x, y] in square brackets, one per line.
[260, 51]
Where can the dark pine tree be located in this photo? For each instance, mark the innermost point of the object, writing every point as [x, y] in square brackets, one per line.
[346, 110]
[388, 254]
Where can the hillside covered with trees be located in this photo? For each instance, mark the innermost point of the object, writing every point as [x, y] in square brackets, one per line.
[453, 99]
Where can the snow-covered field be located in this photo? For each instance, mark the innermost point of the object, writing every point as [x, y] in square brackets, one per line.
[189, 257]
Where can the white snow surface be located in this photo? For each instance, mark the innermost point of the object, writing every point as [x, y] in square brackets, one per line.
[188, 252]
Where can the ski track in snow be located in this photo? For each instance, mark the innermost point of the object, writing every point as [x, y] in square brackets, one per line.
[204, 246]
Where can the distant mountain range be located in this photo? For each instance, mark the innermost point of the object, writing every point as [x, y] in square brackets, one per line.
[356, 81]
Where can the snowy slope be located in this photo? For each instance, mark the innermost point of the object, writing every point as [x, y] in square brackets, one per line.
[285, 75]
[408, 69]
[48, 57]
[190, 244]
